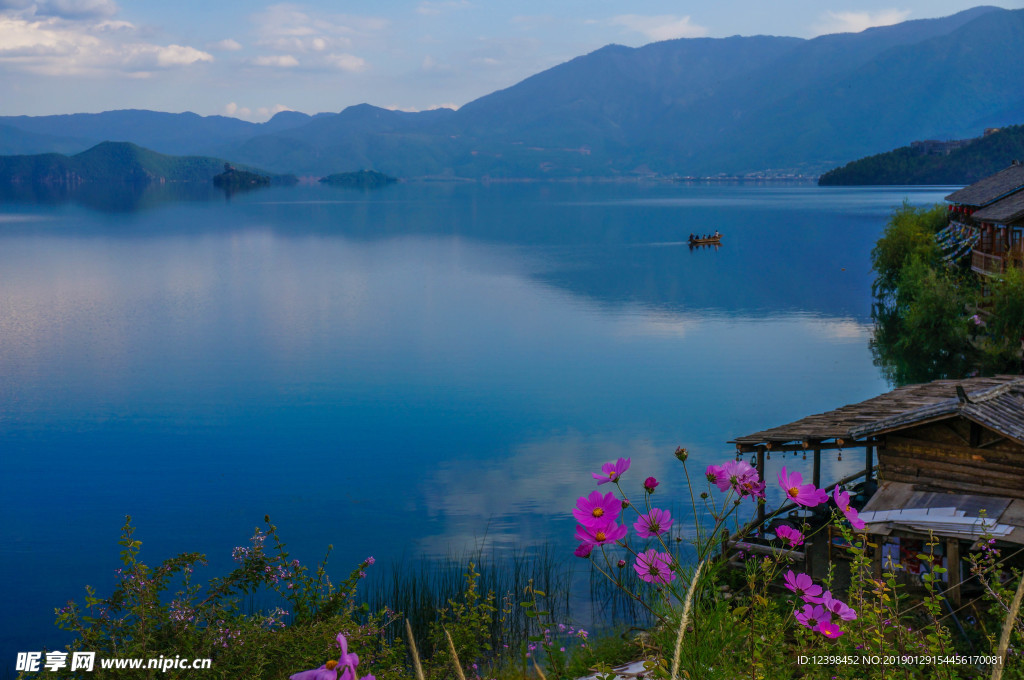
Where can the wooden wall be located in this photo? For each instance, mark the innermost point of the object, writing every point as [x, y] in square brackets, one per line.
[953, 455]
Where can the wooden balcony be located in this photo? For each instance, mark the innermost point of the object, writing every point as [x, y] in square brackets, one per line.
[988, 264]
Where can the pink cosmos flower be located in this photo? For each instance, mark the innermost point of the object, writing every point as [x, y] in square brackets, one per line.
[649, 484]
[838, 608]
[842, 499]
[812, 616]
[654, 523]
[600, 534]
[751, 485]
[342, 669]
[596, 509]
[654, 567]
[790, 535]
[738, 475]
[800, 493]
[803, 585]
[610, 472]
[829, 630]
[583, 550]
[717, 475]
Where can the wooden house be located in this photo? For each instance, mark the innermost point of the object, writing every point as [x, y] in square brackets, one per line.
[950, 464]
[993, 208]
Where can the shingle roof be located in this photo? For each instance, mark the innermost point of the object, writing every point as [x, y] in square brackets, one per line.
[992, 188]
[854, 421]
[1003, 211]
[999, 408]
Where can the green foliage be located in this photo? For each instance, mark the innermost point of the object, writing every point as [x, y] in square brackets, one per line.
[907, 165]
[1006, 319]
[909, 233]
[467, 619]
[156, 611]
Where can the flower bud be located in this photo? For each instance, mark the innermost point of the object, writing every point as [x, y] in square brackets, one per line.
[621, 564]
[625, 504]
[649, 484]
[583, 550]
[682, 454]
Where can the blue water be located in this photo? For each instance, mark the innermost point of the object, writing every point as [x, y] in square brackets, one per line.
[401, 373]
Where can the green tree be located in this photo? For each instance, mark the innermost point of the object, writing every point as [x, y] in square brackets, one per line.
[910, 233]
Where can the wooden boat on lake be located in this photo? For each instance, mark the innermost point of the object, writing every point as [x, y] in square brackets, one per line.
[715, 240]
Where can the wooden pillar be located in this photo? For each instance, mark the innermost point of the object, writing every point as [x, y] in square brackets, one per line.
[876, 558]
[816, 477]
[953, 567]
[869, 459]
[760, 506]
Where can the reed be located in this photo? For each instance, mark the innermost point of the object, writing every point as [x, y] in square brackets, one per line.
[1004, 640]
[684, 620]
[419, 589]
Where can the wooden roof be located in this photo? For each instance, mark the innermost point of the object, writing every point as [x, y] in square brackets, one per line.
[902, 496]
[999, 408]
[1003, 211]
[854, 421]
[992, 188]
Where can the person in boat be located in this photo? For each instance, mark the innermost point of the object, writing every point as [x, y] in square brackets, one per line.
[691, 237]
[717, 235]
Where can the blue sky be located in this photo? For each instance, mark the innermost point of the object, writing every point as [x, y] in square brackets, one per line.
[251, 59]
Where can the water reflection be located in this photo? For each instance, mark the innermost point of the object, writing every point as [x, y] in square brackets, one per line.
[429, 364]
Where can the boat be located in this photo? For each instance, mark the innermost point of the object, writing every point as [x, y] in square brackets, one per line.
[715, 240]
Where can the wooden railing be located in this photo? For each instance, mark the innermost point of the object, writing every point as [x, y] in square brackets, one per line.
[986, 263]
[983, 263]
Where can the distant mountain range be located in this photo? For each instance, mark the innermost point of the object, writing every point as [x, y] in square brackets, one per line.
[110, 163]
[929, 163]
[688, 107]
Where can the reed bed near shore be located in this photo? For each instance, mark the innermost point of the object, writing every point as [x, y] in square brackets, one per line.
[420, 588]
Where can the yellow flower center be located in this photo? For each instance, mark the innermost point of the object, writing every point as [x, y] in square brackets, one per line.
[600, 535]
[794, 492]
[331, 665]
[611, 475]
[597, 512]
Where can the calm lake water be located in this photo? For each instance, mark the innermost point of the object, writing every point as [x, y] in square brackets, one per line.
[403, 373]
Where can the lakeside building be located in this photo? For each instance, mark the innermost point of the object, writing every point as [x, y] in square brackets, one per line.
[950, 464]
[992, 209]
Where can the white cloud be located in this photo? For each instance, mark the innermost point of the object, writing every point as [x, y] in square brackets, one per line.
[346, 62]
[662, 27]
[261, 113]
[290, 29]
[270, 112]
[855, 22]
[55, 46]
[226, 45]
[277, 61]
[233, 109]
[175, 55]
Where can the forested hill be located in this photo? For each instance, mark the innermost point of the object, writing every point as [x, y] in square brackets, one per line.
[912, 165]
[107, 163]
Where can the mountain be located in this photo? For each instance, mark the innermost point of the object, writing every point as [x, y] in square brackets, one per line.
[173, 133]
[108, 163]
[912, 164]
[680, 107]
[696, 107]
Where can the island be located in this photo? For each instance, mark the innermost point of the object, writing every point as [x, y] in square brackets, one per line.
[364, 179]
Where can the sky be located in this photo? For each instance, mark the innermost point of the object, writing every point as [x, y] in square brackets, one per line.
[252, 59]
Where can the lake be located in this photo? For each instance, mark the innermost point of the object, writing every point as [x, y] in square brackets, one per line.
[404, 373]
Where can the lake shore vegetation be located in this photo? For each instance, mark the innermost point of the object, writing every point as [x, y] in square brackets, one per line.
[705, 618]
[931, 318]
